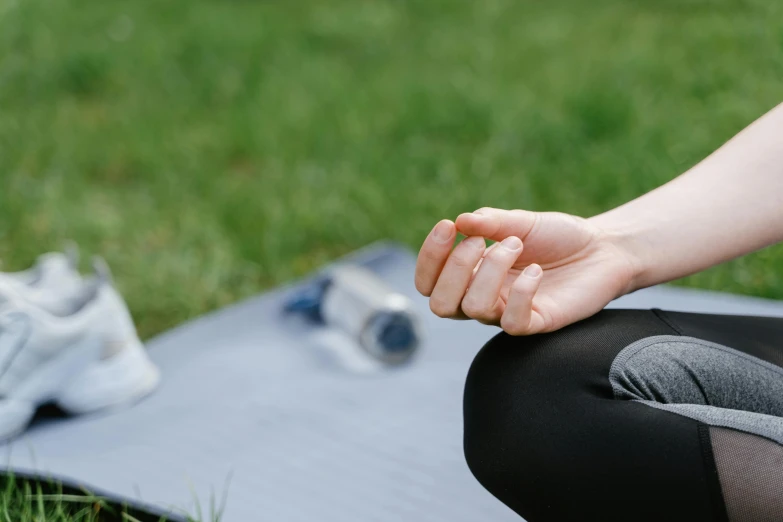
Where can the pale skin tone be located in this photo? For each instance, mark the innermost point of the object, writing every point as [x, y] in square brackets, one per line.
[551, 269]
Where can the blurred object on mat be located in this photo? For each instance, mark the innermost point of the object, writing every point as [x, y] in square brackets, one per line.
[374, 316]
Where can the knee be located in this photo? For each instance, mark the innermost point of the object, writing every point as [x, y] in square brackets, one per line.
[507, 411]
[528, 401]
[484, 421]
[520, 389]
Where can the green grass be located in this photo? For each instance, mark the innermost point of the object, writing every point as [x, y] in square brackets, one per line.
[213, 148]
[27, 503]
[210, 149]
[25, 500]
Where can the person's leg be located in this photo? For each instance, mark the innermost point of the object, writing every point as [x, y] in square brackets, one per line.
[546, 433]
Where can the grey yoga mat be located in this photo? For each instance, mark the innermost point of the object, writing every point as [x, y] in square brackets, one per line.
[291, 424]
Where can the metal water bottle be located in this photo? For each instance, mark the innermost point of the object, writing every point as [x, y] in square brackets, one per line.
[354, 300]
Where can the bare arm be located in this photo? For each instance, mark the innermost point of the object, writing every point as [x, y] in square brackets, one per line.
[728, 205]
[553, 269]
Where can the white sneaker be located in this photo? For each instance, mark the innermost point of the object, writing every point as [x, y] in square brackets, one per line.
[88, 360]
[51, 283]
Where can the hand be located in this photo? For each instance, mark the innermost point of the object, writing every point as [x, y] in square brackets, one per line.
[547, 271]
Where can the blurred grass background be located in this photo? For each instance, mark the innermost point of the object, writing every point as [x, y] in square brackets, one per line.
[210, 149]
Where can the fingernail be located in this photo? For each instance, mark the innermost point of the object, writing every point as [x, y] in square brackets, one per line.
[480, 212]
[442, 232]
[512, 243]
[532, 271]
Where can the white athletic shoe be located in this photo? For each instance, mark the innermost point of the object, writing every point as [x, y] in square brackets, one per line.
[87, 360]
[52, 283]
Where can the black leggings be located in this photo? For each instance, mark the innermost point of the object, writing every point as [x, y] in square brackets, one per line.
[546, 433]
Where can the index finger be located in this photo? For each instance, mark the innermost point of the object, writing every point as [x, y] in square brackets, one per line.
[433, 255]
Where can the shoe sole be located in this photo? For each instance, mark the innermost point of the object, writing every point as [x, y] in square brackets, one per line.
[81, 384]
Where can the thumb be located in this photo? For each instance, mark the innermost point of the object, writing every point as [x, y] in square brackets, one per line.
[496, 224]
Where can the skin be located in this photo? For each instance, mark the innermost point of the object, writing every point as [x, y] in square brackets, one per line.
[549, 269]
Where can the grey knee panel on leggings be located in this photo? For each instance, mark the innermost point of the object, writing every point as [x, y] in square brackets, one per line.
[702, 380]
[740, 396]
[545, 433]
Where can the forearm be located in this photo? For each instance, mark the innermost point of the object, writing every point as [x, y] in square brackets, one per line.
[728, 205]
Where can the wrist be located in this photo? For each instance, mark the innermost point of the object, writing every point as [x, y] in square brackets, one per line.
[628, 240]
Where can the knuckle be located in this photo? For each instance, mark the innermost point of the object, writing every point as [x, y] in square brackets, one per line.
[529, 221]
[429, 256]
[475, 309]
[463, 260]
[442, 308]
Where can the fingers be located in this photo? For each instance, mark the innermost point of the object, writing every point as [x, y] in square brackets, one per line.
[482, 301]
[519, 318]
[497, 224]
[486, 252]
[433, 255]
[446, 298]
